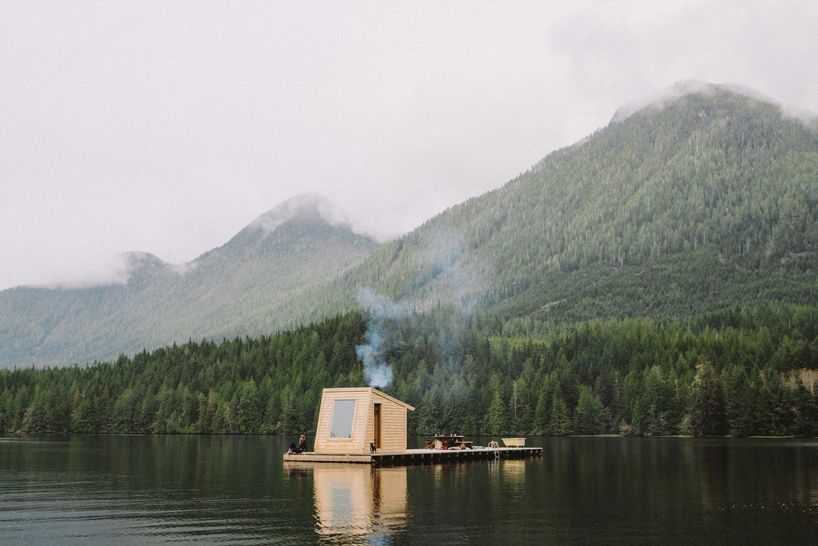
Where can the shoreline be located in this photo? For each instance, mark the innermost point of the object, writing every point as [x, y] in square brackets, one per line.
[20, 434]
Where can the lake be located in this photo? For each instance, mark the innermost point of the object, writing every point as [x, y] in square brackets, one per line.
[234, 489]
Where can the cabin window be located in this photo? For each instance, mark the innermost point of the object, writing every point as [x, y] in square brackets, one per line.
[342, 416]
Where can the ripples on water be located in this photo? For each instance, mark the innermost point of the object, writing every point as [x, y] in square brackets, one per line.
[157, 489]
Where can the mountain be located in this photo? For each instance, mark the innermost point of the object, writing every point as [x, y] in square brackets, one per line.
[246, 286]
[700, 200]
[705, 198]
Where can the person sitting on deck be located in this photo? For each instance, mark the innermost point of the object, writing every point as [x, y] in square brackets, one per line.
[301, 447]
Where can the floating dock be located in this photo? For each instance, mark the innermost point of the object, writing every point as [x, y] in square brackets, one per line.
[418, 456]
[353, 420]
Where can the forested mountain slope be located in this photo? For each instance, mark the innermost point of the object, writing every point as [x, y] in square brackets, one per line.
[681, 208]
[244, 287]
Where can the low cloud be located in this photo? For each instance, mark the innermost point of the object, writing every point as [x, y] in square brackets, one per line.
[662, 99]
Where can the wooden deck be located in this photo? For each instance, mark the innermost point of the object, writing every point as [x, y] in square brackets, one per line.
[418, 456]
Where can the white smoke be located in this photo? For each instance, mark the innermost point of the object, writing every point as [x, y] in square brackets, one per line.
[377, 372]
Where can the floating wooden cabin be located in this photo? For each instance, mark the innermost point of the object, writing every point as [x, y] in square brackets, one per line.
[364, 425]
[353, 420]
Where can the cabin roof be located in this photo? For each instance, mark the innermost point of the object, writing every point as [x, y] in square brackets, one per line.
[370, 389]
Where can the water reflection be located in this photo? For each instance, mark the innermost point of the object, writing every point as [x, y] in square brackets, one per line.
[356, 504]
[199, 489]
[507, 474]
[513, 472]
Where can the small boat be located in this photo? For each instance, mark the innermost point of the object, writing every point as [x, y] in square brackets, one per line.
[514, 442]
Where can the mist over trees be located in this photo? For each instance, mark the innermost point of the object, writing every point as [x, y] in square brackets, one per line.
[658, 277]
[709, 202]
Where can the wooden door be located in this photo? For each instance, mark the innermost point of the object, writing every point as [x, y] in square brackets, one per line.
[377, 426]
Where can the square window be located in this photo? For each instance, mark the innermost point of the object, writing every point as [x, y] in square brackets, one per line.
[343, 414]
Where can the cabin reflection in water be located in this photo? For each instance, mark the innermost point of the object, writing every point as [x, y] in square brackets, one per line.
[513, 473]
[358, 503]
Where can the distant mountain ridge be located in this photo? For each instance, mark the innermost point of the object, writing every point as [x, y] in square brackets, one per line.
[702, 201]
[683, 207]
[242, 287]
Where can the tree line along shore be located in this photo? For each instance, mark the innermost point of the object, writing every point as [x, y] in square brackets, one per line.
[745, 371]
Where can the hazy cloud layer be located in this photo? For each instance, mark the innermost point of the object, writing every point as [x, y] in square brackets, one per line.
[683, 88]
[168, 126]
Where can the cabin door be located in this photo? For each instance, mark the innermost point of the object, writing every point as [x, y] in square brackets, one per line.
[377, 426]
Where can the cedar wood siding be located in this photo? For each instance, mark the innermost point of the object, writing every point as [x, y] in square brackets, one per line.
[356, 444]
[393, 422]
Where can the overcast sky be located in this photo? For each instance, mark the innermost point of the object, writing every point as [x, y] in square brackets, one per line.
[168, 126]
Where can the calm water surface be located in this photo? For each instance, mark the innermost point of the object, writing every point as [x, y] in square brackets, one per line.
[212, 489]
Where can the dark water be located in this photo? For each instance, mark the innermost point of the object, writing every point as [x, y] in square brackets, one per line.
[142, 489]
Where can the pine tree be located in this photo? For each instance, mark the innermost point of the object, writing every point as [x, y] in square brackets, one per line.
[707, 414]
[542, 413]
[588, 413]
[805, 412]
[739, 402]
[497, 417]
[560, 422]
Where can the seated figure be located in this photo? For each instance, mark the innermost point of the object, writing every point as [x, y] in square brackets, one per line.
[301, 447]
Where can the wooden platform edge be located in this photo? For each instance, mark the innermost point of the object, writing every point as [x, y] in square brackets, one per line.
[327, 458]
[418, 456]
[424, 456]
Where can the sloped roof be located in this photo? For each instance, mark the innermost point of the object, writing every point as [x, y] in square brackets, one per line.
[373, 390]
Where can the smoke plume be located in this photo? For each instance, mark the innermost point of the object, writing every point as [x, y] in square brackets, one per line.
[377, 372]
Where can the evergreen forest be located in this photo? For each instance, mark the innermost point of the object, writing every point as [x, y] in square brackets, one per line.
[743, 371]
[656, 278]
